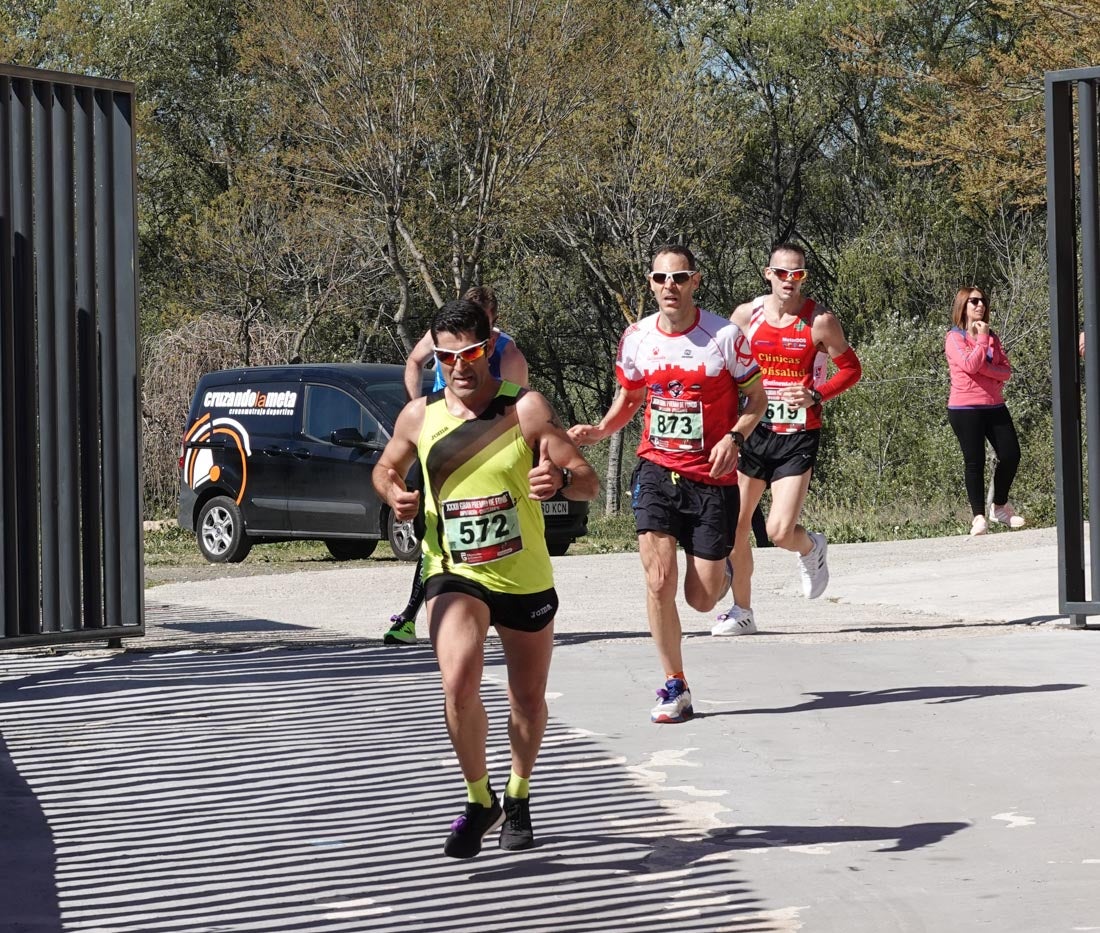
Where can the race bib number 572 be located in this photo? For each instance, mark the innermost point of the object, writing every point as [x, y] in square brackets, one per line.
[479, 531]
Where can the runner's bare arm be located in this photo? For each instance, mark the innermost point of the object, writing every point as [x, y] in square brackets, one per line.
[388, 476]
[626, 403]
[414, 365]
[557, 454]
[741, 315]
[513, 365]
[723, 457]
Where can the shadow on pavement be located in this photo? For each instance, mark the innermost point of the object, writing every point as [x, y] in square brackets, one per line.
[27, 867]
[311, 789]
[837, 699]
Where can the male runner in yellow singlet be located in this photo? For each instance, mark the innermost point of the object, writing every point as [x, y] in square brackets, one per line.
[485, 557]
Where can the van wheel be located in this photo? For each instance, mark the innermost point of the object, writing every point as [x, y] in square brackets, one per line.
[350, 548]
[221, 536]
[404, 541]
[557, 546]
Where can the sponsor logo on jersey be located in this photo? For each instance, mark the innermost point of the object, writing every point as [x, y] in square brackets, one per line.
[676, 388]
[794, 343]
[657, 389]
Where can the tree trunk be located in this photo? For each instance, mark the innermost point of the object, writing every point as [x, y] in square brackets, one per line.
[614, 472]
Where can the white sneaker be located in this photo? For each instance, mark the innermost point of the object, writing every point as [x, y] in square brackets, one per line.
[735, 621]
[1006, 515]
[815, 572]
[673, 703]
[979, 526]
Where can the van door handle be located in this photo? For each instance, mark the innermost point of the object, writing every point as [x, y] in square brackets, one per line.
[272, 451]
[302, 453]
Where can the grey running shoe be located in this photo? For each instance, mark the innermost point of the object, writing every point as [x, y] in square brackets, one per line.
[815, 571]
[517, 832]
[473, 826]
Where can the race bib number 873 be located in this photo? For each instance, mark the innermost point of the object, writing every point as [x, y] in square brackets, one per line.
[479, 531]
[676, 424]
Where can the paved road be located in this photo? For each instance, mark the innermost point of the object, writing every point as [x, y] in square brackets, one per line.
[913, 752]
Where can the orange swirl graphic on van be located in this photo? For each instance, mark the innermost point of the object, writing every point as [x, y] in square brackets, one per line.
[199, 467]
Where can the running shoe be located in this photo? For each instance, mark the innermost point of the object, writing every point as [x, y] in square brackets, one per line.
[979, 526]
[815, 571]
[517, 832]
[673, 702]
[1006, 515]
[401, 632]
[735, 621]
[473, 826]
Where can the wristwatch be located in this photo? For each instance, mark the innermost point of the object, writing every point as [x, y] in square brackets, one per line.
[738, 438]
[566, 477]
[816, 396]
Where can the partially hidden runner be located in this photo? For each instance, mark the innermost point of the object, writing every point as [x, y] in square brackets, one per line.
[485, 556]
[687, 367]
[505, 362]
[792, 338]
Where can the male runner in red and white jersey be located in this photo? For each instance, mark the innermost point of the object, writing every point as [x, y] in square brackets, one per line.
[688, 367]
[793, 339]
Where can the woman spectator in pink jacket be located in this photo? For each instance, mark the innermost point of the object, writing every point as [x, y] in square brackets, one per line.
[976, 407]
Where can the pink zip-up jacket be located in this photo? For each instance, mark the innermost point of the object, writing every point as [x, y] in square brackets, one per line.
[979, 369]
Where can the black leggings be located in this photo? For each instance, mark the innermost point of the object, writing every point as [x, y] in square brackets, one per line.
[973, 427]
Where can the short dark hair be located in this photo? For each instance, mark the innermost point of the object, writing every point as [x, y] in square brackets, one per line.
[677, 250]
[787, 247]
[461, 316]
[483, 295]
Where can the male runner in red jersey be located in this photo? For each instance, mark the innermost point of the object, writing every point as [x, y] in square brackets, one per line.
[793, 339]
[688, 367]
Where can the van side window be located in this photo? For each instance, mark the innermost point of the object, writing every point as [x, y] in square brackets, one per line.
[328, 409]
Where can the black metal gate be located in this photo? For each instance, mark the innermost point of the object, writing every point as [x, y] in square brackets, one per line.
[70, 477]
[1074, 287]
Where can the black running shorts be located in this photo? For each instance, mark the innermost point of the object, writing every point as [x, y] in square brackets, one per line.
[528, 612]
[770, 456]
[701, 517]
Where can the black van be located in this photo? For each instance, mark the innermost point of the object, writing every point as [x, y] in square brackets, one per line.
[278, 452]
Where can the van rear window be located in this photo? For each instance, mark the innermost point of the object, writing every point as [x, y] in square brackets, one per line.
[389, 397]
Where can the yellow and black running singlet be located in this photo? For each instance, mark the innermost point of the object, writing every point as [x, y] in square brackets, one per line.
[481, 522]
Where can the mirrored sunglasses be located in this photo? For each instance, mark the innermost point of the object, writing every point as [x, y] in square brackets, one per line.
[788, 275]
[475, 351]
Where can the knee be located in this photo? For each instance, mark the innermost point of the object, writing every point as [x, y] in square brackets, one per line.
[700, 600]
[528, 703]
[661, 580]
[461, 686]
[783, 534]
